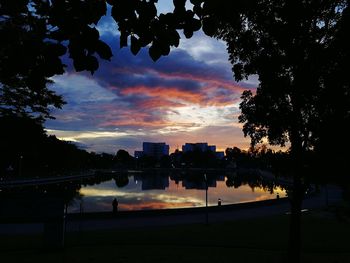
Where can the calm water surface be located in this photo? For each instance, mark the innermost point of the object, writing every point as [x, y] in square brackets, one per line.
[163, 192]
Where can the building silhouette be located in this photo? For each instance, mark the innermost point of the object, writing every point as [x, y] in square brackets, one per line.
[199, 146]
[202, 147]
[153, 149]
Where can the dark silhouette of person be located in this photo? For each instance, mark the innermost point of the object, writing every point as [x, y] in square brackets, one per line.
[115, 205]
[278, 196]
[219, 202]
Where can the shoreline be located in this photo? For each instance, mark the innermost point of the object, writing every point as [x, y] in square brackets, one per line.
[144, 214]
[178, 211]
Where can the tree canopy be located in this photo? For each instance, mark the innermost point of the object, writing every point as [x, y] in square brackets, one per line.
[296, 48]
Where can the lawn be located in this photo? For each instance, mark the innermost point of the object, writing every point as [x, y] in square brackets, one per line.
[325, 239]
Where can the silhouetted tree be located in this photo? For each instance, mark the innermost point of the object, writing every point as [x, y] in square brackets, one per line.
[121, 180]
[29, 151]
[288, 45]
[123, 159]
[35, 34]
[28, 58]
[177, 158]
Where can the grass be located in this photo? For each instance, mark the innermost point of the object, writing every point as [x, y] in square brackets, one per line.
[325, 239]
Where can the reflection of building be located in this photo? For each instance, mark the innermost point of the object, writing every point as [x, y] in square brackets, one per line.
[154, 181]
[220, 177]
[189, 184]
[200, 185]
[154, 149]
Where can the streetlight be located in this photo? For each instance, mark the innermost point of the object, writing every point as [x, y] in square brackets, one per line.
[206, 199]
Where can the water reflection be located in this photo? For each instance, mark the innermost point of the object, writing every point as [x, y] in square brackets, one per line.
[137, 191]
[158, 190]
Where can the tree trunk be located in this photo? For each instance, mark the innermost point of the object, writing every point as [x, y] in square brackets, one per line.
[294, 249]
[296, 198]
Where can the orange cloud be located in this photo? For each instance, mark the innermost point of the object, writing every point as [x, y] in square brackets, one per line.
[165, 93]
[211, 81]
[152, 103]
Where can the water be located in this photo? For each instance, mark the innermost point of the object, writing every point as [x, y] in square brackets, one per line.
[152, 191]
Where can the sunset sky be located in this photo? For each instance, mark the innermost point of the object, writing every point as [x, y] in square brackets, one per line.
[188, 96]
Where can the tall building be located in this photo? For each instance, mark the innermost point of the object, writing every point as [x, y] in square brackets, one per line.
[201, 146]
[154, 149]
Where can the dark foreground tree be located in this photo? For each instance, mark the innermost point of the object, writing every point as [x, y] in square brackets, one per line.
[28, 58]
[292, 47]
[35, 34]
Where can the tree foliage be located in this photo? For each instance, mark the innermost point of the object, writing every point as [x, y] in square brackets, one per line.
[35, 35]
[294, 48]
[291, 46]
[27, 60]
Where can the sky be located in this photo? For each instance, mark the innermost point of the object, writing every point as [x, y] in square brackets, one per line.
[188, 96]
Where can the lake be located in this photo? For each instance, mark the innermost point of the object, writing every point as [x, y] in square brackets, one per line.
[158, 191]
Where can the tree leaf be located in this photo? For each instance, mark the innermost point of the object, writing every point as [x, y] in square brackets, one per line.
[179, 3]
[196, 2]
[79, 63]
[165, 49]
[188, 32]
[91, 64]
[196, 24]
[209, 26]
[174, 38]
[135, 45]
[154, 52]
[123, 39]
[103, 50]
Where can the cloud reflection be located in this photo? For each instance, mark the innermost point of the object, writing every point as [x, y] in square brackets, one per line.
[131, 197]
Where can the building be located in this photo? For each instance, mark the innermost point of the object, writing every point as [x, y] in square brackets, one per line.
[203, 147]
[220, 155]
[199, 146]
[153, 149]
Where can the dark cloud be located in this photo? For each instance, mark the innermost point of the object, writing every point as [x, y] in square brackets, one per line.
[135, 96]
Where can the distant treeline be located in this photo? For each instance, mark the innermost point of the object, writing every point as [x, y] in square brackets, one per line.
[27, 151]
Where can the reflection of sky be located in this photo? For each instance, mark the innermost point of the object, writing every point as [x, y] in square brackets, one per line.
[132, 197]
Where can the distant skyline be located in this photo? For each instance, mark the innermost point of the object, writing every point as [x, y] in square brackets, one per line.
[188, 96]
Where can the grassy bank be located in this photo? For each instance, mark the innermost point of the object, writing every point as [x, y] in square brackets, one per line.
[325, 239]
